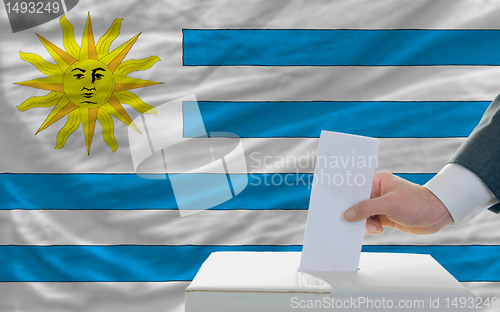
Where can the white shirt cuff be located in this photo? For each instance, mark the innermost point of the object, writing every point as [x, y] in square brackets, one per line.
[462, 192]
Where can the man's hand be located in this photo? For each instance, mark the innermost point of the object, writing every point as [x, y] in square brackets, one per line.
[402, 205]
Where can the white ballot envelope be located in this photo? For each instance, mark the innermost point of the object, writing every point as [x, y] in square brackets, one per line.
[343, 176]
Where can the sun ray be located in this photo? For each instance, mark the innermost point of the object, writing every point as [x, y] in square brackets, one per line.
[113, 112]
[129, 66]
[116, 109]
[69, 41]
[57, 113]
[126, 83]
[47, 100]
[63, 59]
[126, 97]
[107, 39]
[71, 126]
[52, 83]
[108, 128]
[42, 65]
[88, 50]
[62, 102]
[89, 117]
[114, 58]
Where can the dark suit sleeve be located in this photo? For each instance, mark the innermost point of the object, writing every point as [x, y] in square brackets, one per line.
[480, 153]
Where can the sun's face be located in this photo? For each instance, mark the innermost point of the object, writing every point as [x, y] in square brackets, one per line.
[88, 84]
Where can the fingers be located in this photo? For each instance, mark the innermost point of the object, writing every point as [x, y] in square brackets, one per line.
[373, 226]
[386, 221]
[378, 204]
[367, 208]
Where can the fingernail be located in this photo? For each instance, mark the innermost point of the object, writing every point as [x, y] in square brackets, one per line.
[373, 228]
[351, 214]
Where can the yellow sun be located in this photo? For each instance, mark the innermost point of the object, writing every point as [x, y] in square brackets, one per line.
[88, 83]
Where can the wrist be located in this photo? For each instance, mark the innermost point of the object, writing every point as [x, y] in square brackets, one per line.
[443, 215]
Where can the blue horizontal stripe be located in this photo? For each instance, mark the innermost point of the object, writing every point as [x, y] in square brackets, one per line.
[307, 119]
[181, 263]
[129, 191]
[327, 47]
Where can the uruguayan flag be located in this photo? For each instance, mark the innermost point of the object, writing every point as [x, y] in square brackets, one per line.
[81, 230]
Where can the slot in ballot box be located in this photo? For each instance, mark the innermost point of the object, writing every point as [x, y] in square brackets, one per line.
[271, 282]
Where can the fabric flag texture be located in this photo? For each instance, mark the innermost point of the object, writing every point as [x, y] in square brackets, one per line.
[81, 231]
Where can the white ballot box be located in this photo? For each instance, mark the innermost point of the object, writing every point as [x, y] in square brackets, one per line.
[271, 282]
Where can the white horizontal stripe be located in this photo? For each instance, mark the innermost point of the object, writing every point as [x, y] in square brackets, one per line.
[416, 155]
[93, 297]
[272, 155]
[280, 227]
[128, 297]
[152, 228]
[298, 155]
[435, 83]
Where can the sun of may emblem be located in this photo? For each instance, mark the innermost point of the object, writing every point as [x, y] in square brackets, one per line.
[88, 83]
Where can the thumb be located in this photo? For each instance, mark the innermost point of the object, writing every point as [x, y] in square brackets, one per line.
[367, 208]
